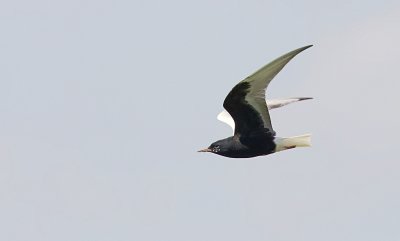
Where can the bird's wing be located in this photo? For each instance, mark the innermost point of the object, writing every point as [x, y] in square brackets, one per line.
[246, 101]
[276, 103]
[225, 117]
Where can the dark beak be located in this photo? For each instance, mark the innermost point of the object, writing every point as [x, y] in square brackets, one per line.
[205, 150]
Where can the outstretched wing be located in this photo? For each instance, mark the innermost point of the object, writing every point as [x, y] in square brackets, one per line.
[225, 117]
[246, 101]
[276, 103]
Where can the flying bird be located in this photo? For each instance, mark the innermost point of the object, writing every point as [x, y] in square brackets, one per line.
[253, 133]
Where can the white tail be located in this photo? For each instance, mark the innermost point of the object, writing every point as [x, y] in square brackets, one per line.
[284, 143]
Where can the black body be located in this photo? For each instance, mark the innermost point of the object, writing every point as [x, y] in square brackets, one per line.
[259, 144]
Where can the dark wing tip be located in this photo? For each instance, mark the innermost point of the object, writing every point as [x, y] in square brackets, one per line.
[304, 98]
[304, 48]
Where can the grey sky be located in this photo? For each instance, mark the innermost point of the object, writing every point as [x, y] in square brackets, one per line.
[104, 104]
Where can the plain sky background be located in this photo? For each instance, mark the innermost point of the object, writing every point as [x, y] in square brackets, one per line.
[104, 104]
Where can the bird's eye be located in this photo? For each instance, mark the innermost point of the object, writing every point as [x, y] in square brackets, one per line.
[216, 149]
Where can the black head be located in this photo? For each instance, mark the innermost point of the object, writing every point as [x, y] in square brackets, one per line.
[221, 147]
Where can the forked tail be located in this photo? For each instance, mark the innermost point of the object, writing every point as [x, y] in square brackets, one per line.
[284, 143]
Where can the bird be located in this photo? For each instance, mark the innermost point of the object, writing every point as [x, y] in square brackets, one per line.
[225, 117]
[246, 104]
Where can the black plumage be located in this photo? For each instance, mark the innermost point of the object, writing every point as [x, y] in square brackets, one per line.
[253, 135]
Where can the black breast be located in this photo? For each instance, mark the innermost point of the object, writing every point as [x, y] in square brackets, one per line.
[256, 143]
